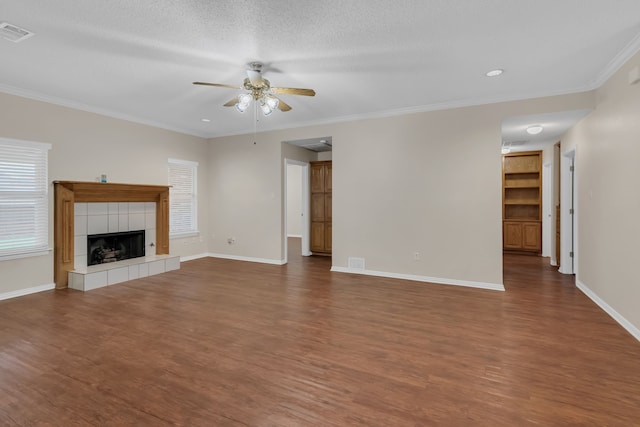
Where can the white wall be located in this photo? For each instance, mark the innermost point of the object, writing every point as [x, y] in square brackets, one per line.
[84, 145]
[608, 200]
[294, 200]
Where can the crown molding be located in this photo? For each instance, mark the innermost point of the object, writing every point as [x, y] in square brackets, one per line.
[621, 58]
[63, 102]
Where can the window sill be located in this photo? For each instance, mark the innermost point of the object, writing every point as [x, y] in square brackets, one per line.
[25, 255]
[184, 235]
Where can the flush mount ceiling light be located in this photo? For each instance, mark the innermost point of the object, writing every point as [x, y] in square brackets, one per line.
[534, 130]
[494, 73]
[205, 120]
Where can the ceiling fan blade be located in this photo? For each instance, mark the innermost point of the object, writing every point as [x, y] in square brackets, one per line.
[255, 78]
[216, 84]
[283, 106]
[293, 91]
[231, 103]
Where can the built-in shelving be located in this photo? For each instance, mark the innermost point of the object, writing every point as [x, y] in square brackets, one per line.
[522, 201]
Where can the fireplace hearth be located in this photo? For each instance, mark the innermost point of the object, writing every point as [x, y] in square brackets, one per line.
[112, 247]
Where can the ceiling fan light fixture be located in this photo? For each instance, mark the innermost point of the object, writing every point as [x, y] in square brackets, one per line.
[534, 130]
[244, 100]
[271, 101]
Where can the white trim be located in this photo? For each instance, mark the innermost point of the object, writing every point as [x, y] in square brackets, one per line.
[184, 234]
[568, 224]
[183, 162]
[55, 100]
[248, 259]
[26, 255]
[630, 327]
[26, 143]
[192, 257]
[299, 236]
[618, 61]
[547, 205]
[438, 280]
[27, 291]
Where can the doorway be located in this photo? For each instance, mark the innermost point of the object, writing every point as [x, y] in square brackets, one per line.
[296, 205]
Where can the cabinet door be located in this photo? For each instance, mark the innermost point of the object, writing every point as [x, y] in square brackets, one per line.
[317, 207]
[531, 236]
[327, 207]
[512, 235]
[327, 178]
[317, 237]
[317, 178]
[327, 236]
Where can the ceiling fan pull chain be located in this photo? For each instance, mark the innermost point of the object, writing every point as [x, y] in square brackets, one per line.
[255, 121]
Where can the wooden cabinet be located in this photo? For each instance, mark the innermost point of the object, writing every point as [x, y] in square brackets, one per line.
[522, 202]
[320, 186]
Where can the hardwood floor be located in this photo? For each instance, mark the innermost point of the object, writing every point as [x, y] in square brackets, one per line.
[229, 343]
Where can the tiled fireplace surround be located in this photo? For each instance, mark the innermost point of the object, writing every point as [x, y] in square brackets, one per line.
[84, 208]
[99, 218]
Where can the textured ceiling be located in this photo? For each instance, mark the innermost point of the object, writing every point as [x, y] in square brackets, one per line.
[365, 58]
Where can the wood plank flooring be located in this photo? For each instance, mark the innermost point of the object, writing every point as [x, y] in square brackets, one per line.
[229, 343]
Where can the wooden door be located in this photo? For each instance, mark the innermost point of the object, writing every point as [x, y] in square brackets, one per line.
[321, 207]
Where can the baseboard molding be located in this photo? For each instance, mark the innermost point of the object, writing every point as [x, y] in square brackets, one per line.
[630, 327]
[438, 280]
[248, 259]
[295, 235]
[192, 257]
[27, 291]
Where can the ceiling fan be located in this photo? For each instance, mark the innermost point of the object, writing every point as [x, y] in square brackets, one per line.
[260, 91]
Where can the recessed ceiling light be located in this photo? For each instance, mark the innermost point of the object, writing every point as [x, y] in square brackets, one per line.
[494, 73]
[205, 120]
[534, 130]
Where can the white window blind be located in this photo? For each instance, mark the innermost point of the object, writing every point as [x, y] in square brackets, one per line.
[24, 201]
[183, 196]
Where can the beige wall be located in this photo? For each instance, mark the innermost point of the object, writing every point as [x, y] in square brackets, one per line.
[427, 182]
[607, 144]
[84, 145]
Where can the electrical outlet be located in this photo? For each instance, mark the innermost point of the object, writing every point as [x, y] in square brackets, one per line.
[416, 256]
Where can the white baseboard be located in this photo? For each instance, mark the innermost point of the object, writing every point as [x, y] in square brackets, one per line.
[295, 235]
[630, 327]
[248, 259]
[192, 257]
[27, 291]
[441, 281]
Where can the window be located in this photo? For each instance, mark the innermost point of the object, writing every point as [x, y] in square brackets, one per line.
[24, 200]
[183, 195]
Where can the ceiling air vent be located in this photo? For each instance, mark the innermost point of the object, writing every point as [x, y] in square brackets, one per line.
[13, 33]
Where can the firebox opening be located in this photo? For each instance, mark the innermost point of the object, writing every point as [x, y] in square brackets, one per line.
[112, 247]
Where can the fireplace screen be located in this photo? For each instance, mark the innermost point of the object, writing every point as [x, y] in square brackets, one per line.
[111, 247]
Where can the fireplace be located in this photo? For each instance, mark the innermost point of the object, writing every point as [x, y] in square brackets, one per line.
[112, 247]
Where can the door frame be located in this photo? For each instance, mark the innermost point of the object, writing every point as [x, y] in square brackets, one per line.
[305, 207]
[568, 221]
[547, 205]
